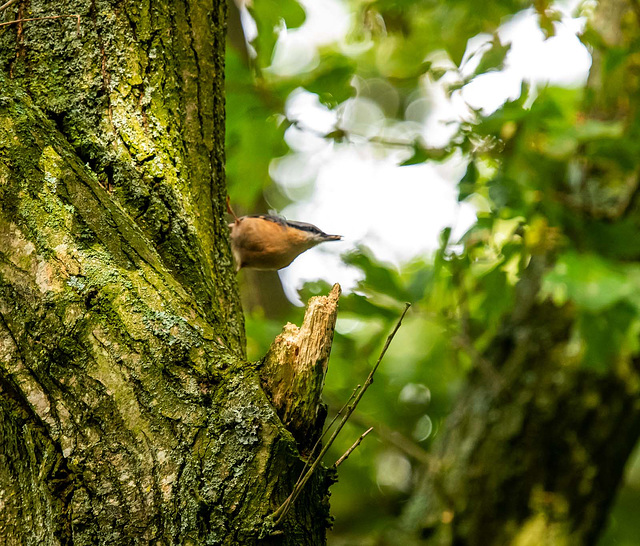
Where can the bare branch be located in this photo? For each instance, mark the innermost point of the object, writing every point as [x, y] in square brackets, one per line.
[395, 438]
[313, 449]
[281, 512]
[5, 6]
[77, 17]
[338, 133]
[351, 449]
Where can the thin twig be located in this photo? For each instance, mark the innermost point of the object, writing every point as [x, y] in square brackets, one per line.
[315, 446]
[285, 504]
[5, 6]
[77, 17]
[230, 210]
[337, 415]
[342, 132]
[395, 438]
[351, 449]
[281, 512]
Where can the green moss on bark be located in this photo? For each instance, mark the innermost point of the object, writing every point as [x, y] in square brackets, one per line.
[138, 93]
[121, 329]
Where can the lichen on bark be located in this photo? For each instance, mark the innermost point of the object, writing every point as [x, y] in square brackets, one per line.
[129, 412]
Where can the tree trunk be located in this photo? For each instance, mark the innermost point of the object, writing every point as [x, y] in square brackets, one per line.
[538, 458]
[128, 412]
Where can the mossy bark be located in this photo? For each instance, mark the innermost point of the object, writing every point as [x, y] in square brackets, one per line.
[128, 412]
[536, 462]
[538, 458]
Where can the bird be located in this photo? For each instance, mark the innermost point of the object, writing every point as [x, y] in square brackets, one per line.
[270, 242]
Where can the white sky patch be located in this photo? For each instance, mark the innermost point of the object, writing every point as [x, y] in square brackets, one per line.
[301, 102]
[488, 92]
[249, 26]
[397, 212]
[360, 192]
[296, 50]
[560, 60]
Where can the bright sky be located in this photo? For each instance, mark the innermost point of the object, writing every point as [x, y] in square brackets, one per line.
[360, 192]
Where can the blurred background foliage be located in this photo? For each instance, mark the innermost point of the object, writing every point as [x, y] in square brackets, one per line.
[546, 182]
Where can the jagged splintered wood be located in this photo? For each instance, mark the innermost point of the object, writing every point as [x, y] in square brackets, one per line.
[293, 370]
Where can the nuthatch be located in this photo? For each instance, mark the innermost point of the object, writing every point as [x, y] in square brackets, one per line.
[269, 242]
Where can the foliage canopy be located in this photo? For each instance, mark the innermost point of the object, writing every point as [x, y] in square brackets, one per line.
[554, 173]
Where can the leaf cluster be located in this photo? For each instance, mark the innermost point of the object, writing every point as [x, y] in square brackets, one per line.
[553, 180]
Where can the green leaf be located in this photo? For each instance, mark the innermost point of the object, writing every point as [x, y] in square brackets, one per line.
[592, 282]
[364, 306]
[594, 129]
[379, 278]
[604, 335]
[252, 131]
[269, 15]
[422, 154]
[419, 156]
[331, 81]
[467, 184]
[493, 58]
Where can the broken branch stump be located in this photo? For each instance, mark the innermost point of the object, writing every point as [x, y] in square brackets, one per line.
[295, 366]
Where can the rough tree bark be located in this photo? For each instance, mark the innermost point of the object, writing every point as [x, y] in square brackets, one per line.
[538, 459]
[128, 412]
